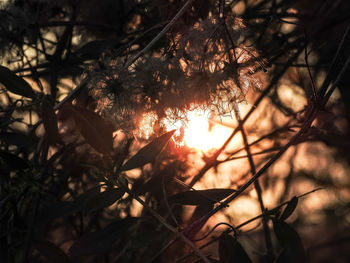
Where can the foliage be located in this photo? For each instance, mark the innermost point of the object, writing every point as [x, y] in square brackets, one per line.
[79, 77]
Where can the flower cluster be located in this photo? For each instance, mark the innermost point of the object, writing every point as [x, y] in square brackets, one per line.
[206, 66]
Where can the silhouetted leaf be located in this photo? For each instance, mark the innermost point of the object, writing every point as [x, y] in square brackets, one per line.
[101, 241]
[152, 185]
[94, 49]
[208, 257]
[289, 240]
[288, 255]
[95, 130]
[49, 120]
[285, 233]
[202, 8]
[148, 238]
[15, 84]
[148, 153]
[82, 199]
[201, 197]
[199, 212]
[71, 69]
[12, 161]
[104, 199]
[51, 252]
[14, 138]
[66, 208]
[230, 250]
[289, 208]
[7, 120]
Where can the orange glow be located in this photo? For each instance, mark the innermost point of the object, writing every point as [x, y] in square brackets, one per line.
[146, 124]
[197, 133]
[193, 129]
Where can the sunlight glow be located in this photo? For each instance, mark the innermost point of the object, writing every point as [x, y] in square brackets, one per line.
[194, 129]
[147, 123]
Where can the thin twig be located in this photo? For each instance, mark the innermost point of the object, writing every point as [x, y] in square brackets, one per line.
[167, 203]
[274, 149]
[73, 23]
[257, 186]
[311, 116]
[338, 79]
[334, 62]
[172, 229]
[159, 36]
[306, 57]
[212, 230]
[212, 160]
[163, 249]
[263, 137]
[30, 230]
[268, 212]
[73, 94]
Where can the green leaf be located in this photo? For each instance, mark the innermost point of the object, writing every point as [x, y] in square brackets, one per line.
[13, 162]
[51, 252]
[104, 199]
[201, 197]
[15, 138]
[230, 250]
[101, 241]
[292, 204]
[148, 153]
[289, 240]
[95, 130]
[15, 84]
[50, 120]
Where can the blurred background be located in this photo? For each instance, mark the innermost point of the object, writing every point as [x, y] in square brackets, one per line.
[55, 46]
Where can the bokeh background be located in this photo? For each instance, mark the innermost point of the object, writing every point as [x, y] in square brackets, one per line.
[54, 45]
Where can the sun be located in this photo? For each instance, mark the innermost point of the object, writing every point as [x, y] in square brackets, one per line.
[197, 133]
[195, 129]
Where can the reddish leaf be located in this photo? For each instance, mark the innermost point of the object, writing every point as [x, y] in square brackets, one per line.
[148, 153]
